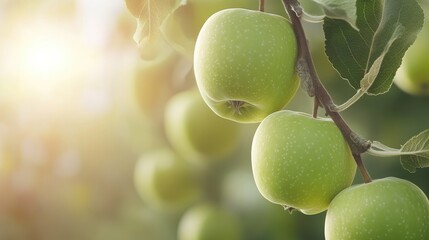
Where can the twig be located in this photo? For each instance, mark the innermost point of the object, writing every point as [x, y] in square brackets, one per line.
[357, 144]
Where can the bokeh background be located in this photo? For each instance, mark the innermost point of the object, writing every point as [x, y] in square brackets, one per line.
[72, 129]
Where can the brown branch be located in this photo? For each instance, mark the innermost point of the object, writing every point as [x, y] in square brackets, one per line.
[357, 144]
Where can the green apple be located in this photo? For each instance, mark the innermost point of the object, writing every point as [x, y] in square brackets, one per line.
[163, 180]
[385, 209]
[244, 64]
[182, 26]
[208, 222]
[203, 9]
[301, 162]
[196, 132]
[413, 75]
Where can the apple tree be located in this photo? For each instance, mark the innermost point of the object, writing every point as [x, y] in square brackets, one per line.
[247, 60]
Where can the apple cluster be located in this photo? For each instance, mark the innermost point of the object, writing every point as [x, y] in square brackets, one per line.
[172, 176]
[244, 63]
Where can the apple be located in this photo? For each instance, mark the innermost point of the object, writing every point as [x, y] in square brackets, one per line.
[134, 7]
[388, 208]
[413, 75]
[203, 9]
[196, 132]
[244, 64]
[163, 180]
[301, 162]
[182, 26]
[208, 222]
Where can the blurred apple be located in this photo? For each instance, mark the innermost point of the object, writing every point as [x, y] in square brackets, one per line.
[240, 193]
[156, 81]
[134, 6]
[413, 75]
[208, 222]
[244, 64]
[196, 132]
[301, 162]
[163, 180]
[389, 208]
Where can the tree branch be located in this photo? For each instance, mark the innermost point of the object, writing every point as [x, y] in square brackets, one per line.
[357, 144]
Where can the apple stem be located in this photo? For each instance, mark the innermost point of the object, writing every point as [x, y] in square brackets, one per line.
[262, 5]
[315, 107]
[357, 144]
[364, 172]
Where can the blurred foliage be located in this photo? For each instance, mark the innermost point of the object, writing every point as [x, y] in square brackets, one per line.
[69, 141]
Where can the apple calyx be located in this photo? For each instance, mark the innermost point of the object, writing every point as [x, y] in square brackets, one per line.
[289, 209]
[238, 107]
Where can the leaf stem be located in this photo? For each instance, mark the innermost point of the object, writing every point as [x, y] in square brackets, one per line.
[359, 93]
[357, 144]
[380, 150]
[381, 146]
[383, 153]
[312, 18]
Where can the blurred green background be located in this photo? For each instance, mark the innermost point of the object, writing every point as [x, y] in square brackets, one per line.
[72, 129]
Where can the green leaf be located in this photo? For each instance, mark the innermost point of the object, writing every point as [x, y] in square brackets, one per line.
[353, 52]
[148, 36]
[417, 150]
[340, 9]
[370, 77]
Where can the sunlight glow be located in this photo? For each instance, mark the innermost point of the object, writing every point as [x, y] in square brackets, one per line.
[47, 57]
[44, 59]
[48, 54]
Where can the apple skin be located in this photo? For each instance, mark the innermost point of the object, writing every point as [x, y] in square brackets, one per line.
[196, 132]
[385, 209]
[301, 162]
[181, 27]
[413, 75]
[203, 9]
[165, 181]
[244, 64]
[208, 222]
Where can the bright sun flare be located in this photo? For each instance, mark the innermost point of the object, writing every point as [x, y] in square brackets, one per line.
[47, 57]
[45, 54]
